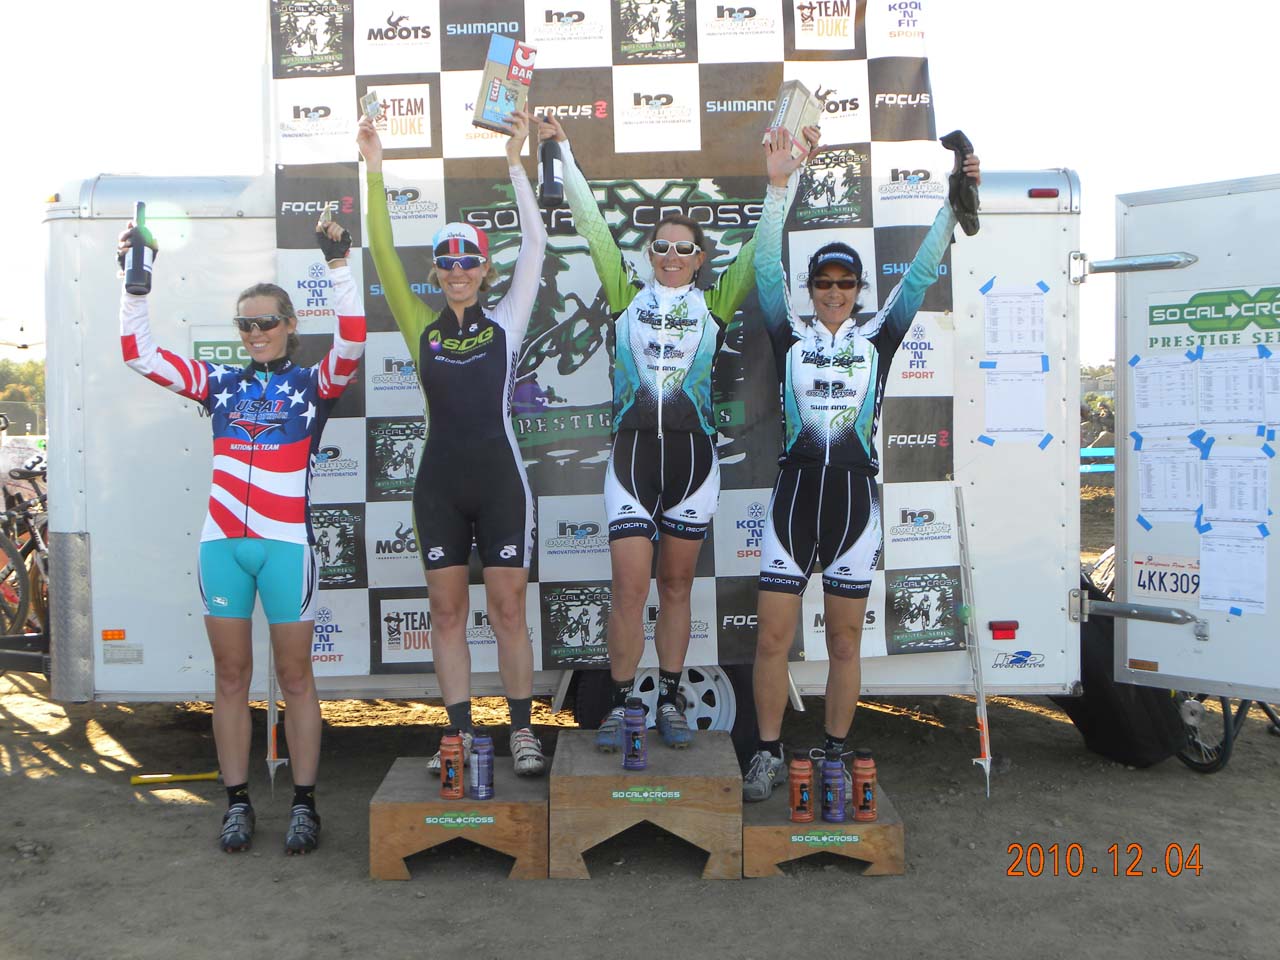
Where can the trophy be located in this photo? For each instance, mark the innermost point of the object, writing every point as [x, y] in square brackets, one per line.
[504, 88]
[797, 109]
[371, 106]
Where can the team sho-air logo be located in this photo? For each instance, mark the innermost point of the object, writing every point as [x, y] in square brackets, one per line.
[922, 605]
[825, 838]
[310, 35]
[337, 533]
[654, 31]
[324, 643]
[833, 188]
[918, 524]
[468, 820]
[396, 445]
[1221, 311]
[645, 795]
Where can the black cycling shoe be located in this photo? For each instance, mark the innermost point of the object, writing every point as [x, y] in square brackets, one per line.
[304, 830]
[962, 192]
[237, 828]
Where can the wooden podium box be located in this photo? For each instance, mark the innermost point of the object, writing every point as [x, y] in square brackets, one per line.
[407, 816]
[769, 838]
[695, 793]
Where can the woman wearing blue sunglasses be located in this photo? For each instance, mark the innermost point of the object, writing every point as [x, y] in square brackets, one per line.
[471, 484]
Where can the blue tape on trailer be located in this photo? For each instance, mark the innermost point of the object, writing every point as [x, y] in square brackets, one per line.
[1204, 528]
[1044, 287]
[983, 438]
[1235, 611]
[1268, 450]
[1135, 360]
[1143, 522]
[1137, 439]
[1044, 363]
[986, 364]
[1262, 432]
[1196, 437]
[1205, 448]
[1263, 352]
[1192, 356]
[1262, 529]
[1271, 435]
[1048, 439]
[1199, 515]
[986, 287]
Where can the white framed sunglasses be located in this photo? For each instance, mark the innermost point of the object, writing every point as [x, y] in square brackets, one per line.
[683, 248]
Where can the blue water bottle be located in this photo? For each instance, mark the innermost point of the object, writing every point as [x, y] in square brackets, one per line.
[833, 798]
[634, 754]
[481, 785]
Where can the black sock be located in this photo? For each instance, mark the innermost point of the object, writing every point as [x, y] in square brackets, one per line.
[833, 747]
[771, 747]
[621, 690]
[238, 794]
[668, 686]
[520, 708]
[460, 715]
[305, 796]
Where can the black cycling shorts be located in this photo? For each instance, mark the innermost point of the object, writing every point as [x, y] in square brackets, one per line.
[670, 484]
[460, 500]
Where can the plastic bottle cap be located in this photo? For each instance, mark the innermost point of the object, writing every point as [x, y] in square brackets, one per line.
[862, 754]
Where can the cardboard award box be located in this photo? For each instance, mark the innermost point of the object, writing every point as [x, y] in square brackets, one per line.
[797, 109]
[508, 71]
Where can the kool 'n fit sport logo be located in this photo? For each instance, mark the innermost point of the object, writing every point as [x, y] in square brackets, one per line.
[468, 820]
[645, 795]
[824, 838]
[1219, 311]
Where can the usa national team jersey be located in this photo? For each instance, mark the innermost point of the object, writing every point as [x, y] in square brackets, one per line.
[266, 424]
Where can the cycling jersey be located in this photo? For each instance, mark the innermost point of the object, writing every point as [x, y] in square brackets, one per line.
[833, 384]
[266, 423]
[666, 337]
[471, 480]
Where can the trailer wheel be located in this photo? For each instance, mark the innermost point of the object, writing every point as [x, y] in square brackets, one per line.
[716, 698]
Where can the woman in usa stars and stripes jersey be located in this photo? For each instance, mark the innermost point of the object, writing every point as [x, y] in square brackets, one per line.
[267, 419]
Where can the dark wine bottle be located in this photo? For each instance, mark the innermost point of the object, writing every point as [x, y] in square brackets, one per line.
[550, 175]
[137, 262]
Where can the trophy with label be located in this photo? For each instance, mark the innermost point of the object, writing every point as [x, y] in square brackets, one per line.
[504, 88]
[371, 106]
[797, 109]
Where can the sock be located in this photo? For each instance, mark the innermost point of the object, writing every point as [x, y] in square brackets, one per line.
[521, 708]
[621, 690]
[771, 747]
[305, 796]
[668, 686]
[238, 794]
[833, 747]
[460, 715]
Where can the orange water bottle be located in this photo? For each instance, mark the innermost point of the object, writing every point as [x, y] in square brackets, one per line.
[864, 786]
[451, 766]
[800, 777]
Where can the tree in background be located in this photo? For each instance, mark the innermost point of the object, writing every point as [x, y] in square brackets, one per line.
[22, 395]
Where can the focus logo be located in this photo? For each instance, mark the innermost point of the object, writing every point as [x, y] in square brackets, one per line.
[902, 100]
[599, 110]
[313, 208]
[940, 439]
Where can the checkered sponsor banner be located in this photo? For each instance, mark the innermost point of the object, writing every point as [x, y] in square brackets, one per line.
[666, 102]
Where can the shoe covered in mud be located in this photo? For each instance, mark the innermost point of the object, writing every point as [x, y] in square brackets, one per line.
[763, 774]
[672, 725]
[610, 734]
[303, 835]
[237, 828]
[962, 192]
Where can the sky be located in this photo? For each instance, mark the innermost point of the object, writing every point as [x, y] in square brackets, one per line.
[1132, 94]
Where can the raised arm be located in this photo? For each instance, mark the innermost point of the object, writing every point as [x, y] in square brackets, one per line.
[339, 364]
[771, 279]
[616, 276]
[526, 278]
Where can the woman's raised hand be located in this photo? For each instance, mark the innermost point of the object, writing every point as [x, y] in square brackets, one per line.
[780, 160]
[370, 144]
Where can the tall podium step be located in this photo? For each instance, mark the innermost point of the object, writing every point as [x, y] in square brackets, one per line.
[769, 838]
[407, 816]
[695, 794]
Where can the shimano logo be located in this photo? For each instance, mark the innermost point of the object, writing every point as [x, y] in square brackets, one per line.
[479, 27]
[741, 106]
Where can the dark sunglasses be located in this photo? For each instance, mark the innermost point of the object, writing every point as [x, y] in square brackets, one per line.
[268, 321]
[683, 248]
[826, 283]
[468, 262]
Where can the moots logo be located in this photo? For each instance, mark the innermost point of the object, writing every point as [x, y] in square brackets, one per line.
[330, 462]
[325, 638]
[836, 106]
[398, 28]
[916, 350]
[1019, 660]
[339, 535]
[833, 188]
[825, 19]
[402, 544]
[916, 525]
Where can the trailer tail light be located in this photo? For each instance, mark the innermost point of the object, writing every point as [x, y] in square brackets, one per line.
[1004, 629]
[112, 634]
[1043, 193]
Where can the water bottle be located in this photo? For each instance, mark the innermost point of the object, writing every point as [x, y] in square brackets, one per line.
[481, 778]
[137, 262]
[864, 786]
[800, 779]
[833, 798]
[550, 175]
[634, 754]
[451, 766]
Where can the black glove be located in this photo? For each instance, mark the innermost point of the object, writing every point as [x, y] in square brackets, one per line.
[962, 192]
[333, 249]
[149, 240]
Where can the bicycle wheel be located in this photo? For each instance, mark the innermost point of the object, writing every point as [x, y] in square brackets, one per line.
[15, 589]
[1209, 737]
[37, 561]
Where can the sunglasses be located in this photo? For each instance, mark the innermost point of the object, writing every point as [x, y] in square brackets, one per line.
[468, 262]
[268, 321]
[825, 283]
[683, 248]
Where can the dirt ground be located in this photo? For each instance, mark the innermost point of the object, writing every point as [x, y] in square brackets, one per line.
[93, 867]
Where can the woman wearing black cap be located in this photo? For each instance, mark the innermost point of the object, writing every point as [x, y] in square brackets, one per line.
[471, 484]
[825, 507]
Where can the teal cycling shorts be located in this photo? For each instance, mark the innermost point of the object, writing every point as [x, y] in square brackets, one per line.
[283, 574]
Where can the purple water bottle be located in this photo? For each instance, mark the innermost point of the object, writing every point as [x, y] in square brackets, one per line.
[833, 798]
[634, 754]
[481, 779]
